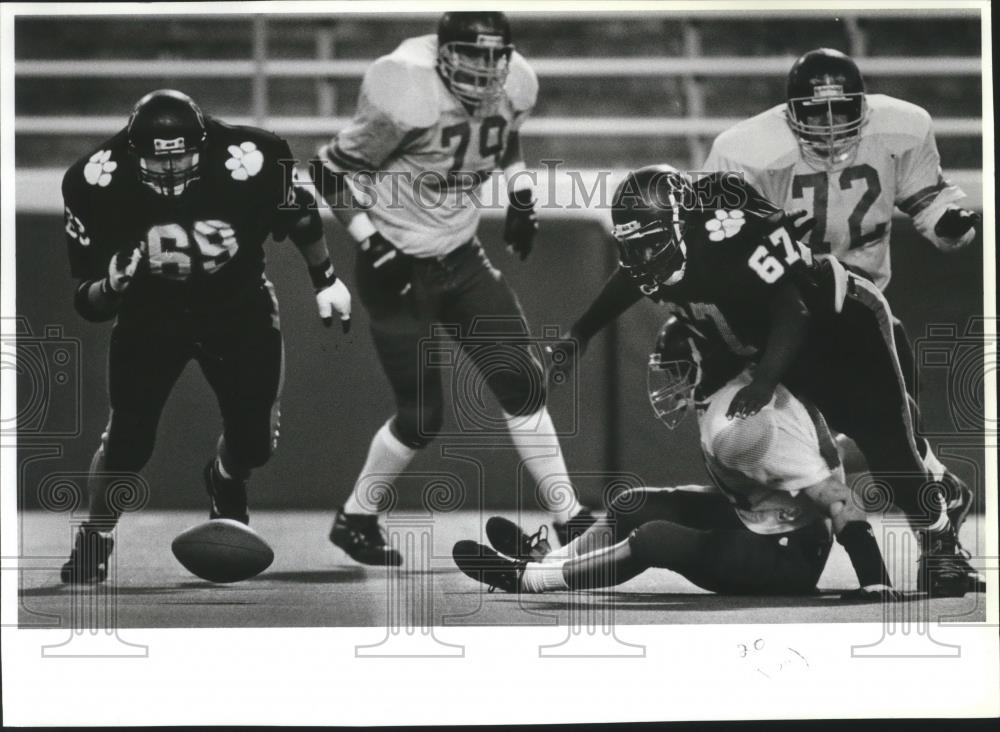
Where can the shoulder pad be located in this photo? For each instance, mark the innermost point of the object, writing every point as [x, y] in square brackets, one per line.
[404, 88]
[98, 168]
[522, 84]
[730, 190]
[223, 134]
[762, 142]
[903, 125]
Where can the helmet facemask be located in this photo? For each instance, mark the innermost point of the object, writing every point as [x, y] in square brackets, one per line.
[476, 72]
[169, 174]
[828, 125]
[671, 385]
[653, 255]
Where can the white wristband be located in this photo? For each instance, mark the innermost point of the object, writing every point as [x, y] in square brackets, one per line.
[361, 228]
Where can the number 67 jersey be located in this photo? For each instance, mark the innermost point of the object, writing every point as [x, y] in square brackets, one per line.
[896, 165]
[417, 156]
[203, 250]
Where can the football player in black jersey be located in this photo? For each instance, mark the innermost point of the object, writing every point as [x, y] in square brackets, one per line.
[716, 250]
[166, 224]
[767, 529]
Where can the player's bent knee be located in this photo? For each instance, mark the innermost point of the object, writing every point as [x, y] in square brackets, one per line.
[128, 442]
[521, 393]
[417, 428]
[667, 545]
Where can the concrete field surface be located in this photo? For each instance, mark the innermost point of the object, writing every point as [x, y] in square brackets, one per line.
[313, 584]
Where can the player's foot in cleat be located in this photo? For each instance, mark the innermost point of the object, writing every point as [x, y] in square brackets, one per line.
[484, 565]
[573, 528]
[88, 561]
[508, 538]
[960, 499]
[361, 537]
[229, 495]
[944, 569]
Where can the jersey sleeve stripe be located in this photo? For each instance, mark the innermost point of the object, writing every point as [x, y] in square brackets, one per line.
[345, 161]
[922, 198]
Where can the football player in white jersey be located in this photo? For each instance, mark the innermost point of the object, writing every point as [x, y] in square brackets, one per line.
[766, 530]
[435, 118]
[845, 160]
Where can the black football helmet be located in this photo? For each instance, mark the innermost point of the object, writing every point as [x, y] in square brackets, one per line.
[826, 106]
[649, 211]
[474, 50]
[673, 372]
[166, 136]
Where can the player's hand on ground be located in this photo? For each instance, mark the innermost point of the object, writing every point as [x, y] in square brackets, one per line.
[750, 399]
[562, 357]
[122, 268]
[522, 223]
[393, 268]
[873, 593]
[956, 223]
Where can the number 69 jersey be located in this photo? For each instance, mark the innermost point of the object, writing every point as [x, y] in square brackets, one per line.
[896, 165]
[421, 153]
[204, 249]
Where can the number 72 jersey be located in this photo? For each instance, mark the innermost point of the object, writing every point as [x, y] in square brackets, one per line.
[897, 165]
[417, 155]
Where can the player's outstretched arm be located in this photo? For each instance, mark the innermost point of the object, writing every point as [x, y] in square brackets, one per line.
[618, 295]
[789, 323]
[521, 224]
[854, 533]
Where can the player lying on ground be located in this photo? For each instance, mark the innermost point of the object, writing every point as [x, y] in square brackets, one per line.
[166, 223]
[767, 532]
[846, 159]
[435, 118]
[722, 257]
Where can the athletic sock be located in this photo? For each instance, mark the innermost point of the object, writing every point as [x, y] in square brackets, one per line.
[537, 443]
[547, 577]
[562, 553]
[387, 458]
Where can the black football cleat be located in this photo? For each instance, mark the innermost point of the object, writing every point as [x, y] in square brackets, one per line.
[229, 495]
[484, 565]
[960, 499]
[944, 569]
[573, 528]
[361, 538]
[88, 562]
[508, 538]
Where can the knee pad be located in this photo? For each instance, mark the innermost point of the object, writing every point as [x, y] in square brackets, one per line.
[128, 442]
[519, 387]
[414, 427]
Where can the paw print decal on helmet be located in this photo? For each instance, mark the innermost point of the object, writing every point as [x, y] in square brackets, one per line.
[725, 224]
[246, 160]
[99, 168]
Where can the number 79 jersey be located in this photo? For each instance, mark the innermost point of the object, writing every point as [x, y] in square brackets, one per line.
[417, 156]
[896, 165]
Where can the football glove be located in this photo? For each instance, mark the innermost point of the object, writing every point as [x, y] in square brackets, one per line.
[873, 593]
[956, 222]
[392, 268]
[121, 269]
[562, 358]
[331, 295]
[798, 226]
[750, 399]
[522, 223]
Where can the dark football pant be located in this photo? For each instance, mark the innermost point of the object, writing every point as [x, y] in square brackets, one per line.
[699, 536]
[456, 299]
[849, 369]
[242, 358]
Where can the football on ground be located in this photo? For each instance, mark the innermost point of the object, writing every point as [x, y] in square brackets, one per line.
[222, 550]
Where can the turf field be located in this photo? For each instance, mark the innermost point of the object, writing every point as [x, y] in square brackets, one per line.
[312, 584]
